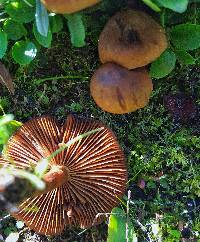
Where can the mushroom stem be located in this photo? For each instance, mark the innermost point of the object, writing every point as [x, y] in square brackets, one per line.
[57, 176]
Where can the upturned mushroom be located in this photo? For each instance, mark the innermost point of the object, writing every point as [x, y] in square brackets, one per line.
[68, 6]
[118, 90]
[84, 180]
[131, 39]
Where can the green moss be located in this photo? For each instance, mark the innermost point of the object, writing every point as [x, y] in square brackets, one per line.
[57, 83]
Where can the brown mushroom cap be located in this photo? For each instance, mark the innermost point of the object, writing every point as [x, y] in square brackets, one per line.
[92, 174]
[68, 6]
[118, 90]
[131, 39]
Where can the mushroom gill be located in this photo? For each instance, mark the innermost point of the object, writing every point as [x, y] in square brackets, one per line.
[84, 180]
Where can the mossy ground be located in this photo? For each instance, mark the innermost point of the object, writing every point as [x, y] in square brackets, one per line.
[160, 151]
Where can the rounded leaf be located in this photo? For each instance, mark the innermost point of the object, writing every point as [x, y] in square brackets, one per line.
[186, 36]
[14, 29]
[163, 65]
[24, 52]
[20, 11]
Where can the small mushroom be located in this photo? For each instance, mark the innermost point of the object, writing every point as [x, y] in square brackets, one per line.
[68, 6]
[118, 90]
[82, 181]
[131, 39]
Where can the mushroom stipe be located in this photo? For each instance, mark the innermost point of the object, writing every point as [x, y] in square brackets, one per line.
[84, 180]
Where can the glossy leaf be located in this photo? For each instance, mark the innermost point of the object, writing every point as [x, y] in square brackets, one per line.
[117, 227]
[24, 52]
[3, 43]
[186, 36]
[76, 29]
[20, 11]
[41, 19]
[14, 29]
[56, 23]
[179, 6]
[44, 41]
[163, 65]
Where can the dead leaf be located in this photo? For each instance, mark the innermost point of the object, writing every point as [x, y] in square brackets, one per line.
[6, 79]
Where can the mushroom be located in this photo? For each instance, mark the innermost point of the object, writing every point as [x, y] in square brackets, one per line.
[84, 180]
[68, 6]
[118, 90]
[131, 39]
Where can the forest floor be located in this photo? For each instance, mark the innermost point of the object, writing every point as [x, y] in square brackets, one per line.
[161, 143]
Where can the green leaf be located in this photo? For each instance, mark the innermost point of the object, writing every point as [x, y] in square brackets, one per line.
[186, 36]
[44, 41]
[152, 5]
[24, 52]
[117, 227]
[2, 1]
[42, 19]
[76, 29]
[56, 23]
[175, 233]
[164, 183]
[163, 65]
[7, 127]
[20, 11]
[14, 29]
[179, 6]
[185, 58]
[3, 43]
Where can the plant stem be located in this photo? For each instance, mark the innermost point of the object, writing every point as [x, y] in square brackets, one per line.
[38, 81]
[2, 110]
[127, 215]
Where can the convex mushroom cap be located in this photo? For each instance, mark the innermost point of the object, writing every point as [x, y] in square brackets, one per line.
[118, 90]
[68, 6]
[131, 39]
[85, 179]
